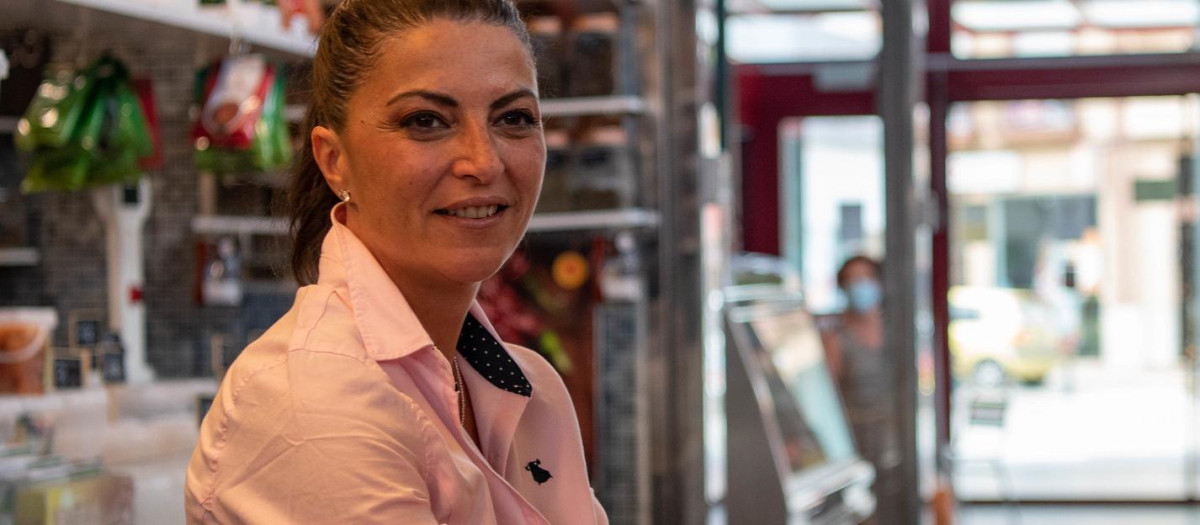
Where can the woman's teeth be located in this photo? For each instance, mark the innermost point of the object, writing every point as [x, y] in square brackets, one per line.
[477, 212]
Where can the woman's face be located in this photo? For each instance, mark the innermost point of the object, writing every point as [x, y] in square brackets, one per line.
[861, 285]
[859, 271]
[442, 151]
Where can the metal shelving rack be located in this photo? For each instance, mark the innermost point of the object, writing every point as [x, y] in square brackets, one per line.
[20, 256]
[217, 22]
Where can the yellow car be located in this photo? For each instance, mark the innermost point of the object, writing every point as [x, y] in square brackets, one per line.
[1003, 334]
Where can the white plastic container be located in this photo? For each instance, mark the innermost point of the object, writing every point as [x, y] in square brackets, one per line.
[25, 335]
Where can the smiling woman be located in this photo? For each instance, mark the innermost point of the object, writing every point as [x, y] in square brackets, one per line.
[384, 395]
[444, 128]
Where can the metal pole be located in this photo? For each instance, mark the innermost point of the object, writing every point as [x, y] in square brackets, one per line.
[676, 364]
[1191, 360]
[897, 97]
[939, 106]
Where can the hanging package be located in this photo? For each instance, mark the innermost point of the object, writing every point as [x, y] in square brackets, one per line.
[242, 126]
[84, 128]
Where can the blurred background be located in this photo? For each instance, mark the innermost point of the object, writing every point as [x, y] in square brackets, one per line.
[1022, 173]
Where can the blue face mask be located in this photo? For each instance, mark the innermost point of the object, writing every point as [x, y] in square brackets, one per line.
[864, 296]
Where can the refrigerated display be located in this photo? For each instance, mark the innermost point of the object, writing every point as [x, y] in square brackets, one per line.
[792, 458]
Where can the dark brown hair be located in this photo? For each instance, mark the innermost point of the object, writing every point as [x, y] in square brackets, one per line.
[347, 49]
[876, 268]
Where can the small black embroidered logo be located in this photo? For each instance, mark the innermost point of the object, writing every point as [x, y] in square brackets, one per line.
[540, 475]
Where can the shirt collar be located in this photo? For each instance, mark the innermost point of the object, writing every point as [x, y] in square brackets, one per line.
[389, 328]
[483, 351]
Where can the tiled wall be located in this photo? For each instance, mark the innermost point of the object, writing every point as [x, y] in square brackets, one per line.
[68, 231]
[619, 458]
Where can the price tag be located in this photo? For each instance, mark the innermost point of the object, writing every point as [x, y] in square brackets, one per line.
[112, 367]
[68, 372]
[87, 333]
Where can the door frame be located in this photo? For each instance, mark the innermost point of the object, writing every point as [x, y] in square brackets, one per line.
[768, 94]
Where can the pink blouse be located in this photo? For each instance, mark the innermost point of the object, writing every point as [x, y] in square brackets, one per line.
[344, 412]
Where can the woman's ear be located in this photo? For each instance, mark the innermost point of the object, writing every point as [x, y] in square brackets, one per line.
[327, 150]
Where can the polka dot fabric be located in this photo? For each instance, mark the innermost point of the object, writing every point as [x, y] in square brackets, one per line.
[488, 357]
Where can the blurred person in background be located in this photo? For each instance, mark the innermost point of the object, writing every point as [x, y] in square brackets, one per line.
[854, 346]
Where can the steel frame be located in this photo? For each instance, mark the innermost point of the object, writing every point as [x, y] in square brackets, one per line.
[767, 94]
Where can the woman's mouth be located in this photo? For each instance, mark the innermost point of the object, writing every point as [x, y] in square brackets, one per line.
[473, 212]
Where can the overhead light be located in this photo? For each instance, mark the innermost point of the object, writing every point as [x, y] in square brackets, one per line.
[816, 6]
[793, 38]
[1142, 13]
[993, 15]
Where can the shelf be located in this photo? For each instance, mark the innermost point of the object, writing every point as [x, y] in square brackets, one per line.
[575, 107]
[20, 257]
[234, 225]
[8, 125]
[622, 219]
[209, 21]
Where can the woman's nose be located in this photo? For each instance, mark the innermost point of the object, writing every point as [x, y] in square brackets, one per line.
[477, 156]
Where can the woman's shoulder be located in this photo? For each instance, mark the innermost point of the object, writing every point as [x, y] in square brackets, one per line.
[282, 410]
[324, 322]
[302, 364]
[282, 399]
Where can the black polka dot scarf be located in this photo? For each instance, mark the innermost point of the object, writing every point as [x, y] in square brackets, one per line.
[488, 357]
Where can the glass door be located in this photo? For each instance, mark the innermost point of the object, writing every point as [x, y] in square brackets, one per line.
[834, 209]
[833, 200]
[1071, 316]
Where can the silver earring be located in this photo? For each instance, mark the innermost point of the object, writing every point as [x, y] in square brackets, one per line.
[344, 195]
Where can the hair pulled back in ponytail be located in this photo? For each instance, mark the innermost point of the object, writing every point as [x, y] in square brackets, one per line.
[346, 51]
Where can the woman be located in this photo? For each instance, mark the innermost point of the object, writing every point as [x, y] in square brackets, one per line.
[855, 347]
[384, 395]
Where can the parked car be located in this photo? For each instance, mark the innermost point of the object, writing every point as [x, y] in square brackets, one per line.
[1003, 334]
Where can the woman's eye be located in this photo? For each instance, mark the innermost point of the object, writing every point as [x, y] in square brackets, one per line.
[518, 119]
[423, 121]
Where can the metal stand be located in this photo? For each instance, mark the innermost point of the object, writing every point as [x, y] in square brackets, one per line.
[124, 210]
[898, 95]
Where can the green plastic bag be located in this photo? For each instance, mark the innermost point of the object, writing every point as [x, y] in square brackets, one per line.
[57, 170]
[126, 137]
[56, 109]
[83, 129]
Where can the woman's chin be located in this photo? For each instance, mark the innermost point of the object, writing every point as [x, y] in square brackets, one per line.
[473, 270]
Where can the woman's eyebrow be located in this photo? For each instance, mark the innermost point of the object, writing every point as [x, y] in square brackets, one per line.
[509, 98]
[432, 96]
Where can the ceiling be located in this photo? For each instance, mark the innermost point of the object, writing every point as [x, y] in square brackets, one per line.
[1035, 15]
[825, 30]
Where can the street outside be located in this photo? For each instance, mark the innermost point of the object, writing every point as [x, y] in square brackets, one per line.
[1089, 432]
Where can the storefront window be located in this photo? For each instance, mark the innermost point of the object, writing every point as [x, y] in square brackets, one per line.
[1004, 29]
[1069, 297]
[835, 199]
[804, 37]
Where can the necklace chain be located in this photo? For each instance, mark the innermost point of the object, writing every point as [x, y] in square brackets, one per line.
[460, 388]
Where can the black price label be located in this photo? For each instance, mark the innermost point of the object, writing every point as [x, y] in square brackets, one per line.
[68, 372]
[87, 333]
[112, 368]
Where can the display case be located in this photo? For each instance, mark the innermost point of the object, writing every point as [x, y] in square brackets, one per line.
[792, 458]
